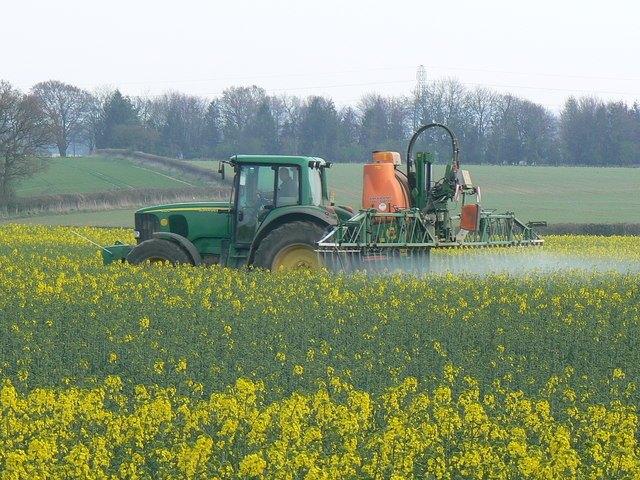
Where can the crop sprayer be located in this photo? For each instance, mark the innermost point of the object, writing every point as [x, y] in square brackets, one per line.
[280, 217]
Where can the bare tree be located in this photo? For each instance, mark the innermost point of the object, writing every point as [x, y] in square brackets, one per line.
[287, 111]
[22, 135]
[399, 109]
[238, 105]
[480, 109]
[179, 120]
[374, 113]
[66, 110]
[152, 111]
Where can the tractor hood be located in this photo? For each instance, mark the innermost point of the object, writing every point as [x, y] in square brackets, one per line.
[219, 206]
[191, 220]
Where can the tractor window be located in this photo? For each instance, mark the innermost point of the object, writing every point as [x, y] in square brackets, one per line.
[255, 199]
[315, 184]
[288, 192]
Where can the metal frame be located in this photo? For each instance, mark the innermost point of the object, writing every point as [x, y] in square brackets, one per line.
[367, 236]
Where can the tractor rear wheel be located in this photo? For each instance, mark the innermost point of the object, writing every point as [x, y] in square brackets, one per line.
[289, 247]
[156, 250]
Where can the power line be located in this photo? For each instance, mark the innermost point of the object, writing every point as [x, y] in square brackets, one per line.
[421, 81]
[314, 87]
[556, 75]
[254, 76]
[359, 70]
[599, 92]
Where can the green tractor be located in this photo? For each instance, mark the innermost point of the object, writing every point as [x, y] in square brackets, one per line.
[279, 210]
[280, 217]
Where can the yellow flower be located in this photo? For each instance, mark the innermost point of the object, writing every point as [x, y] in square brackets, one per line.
[618, 374]
[252, 465]
[144, 323]
[182, 365]
[158, 366]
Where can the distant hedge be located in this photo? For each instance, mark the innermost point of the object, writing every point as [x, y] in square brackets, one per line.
[69, 202]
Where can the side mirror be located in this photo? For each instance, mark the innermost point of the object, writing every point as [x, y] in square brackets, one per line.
[221, 169]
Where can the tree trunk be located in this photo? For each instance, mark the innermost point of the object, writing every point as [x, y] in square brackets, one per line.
[5, 193]
[62, 149]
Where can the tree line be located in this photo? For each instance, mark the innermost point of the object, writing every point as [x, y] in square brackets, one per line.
[492, 128]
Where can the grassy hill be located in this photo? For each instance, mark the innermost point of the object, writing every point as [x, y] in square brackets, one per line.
[97, 174]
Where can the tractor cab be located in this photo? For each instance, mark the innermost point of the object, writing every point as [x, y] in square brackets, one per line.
[266, 186]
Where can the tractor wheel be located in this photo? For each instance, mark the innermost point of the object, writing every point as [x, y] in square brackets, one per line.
[289, 247]
[157, 250]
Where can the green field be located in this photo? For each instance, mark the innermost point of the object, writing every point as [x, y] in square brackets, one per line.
[96, 174]
[554, 194]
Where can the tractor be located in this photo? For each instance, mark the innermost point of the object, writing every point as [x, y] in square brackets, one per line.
[280, 216]
[278, 211]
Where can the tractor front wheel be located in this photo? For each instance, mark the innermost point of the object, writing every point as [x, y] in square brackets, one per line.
[157, 250]
[289, 247]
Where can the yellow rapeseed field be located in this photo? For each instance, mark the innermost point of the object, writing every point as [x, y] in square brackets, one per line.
[160, 372]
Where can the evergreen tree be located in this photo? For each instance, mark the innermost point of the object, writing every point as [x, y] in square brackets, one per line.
[211, 134]
[172, 133]
[348, 133]
[118, 112]
[374, 133]
[318, 132]
[261, 132]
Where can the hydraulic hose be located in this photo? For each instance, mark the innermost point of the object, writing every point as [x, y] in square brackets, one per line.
[454, 145]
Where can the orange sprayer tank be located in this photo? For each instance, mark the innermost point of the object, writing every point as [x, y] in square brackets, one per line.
[383, 187]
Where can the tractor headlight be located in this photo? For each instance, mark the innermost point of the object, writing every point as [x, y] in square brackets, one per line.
[136, 234]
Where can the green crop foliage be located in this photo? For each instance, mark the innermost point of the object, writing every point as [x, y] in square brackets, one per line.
[235, 373]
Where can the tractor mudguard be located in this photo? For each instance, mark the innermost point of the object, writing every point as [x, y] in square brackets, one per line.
[184, 242]
[295, 212]
[290, 214]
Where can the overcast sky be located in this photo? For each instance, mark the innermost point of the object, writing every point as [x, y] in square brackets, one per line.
[542, 50]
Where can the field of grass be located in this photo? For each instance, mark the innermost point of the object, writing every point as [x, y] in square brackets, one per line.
[554, 194]
[96, 174]
[160, 372]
